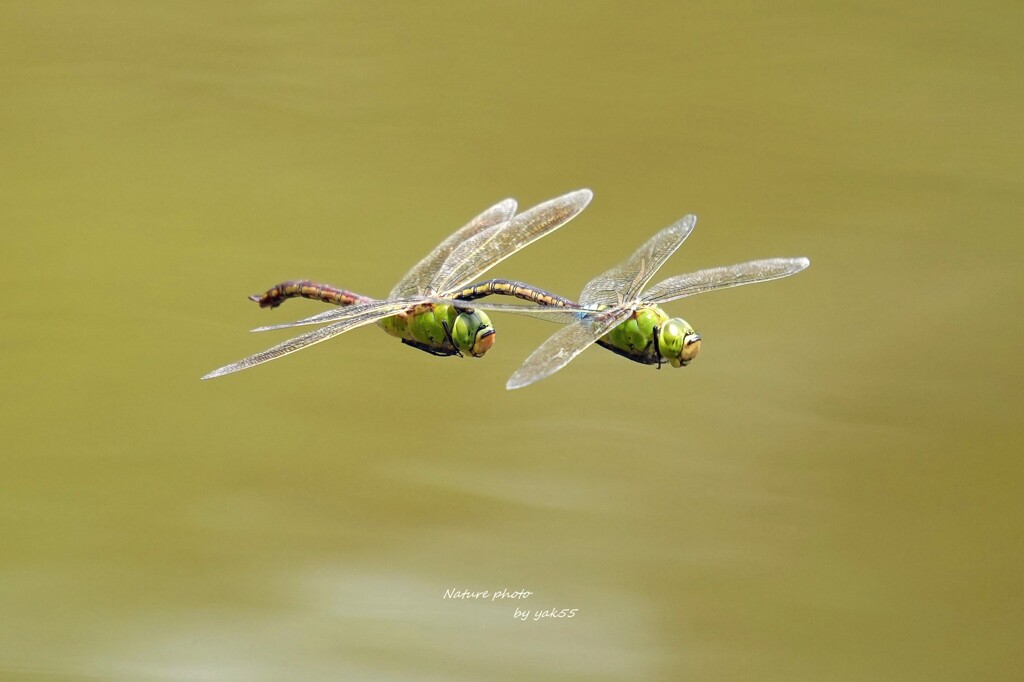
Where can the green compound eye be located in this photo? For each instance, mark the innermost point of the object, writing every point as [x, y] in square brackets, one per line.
[678, 342]
[473, 333]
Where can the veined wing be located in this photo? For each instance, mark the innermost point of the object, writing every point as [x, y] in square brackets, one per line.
[493, 245]
[710, 279]
[360, 315]
[336, 314]
[419, 276]
[565, 344]
[551, 313]
[625, 281]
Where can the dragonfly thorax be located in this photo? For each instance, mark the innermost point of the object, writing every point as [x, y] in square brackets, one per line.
[650, 337]
[443, 329]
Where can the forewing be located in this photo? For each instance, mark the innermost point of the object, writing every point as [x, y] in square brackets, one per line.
[417, 279]
[482, 252]
[625, 281]
[565, 344]
[363, 315]
[710, 279]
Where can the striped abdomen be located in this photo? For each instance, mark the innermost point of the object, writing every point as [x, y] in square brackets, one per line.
[505, 287]
[278, 294]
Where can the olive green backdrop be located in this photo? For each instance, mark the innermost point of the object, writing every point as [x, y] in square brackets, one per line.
[831, 491]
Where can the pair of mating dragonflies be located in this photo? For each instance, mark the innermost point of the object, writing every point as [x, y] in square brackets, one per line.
[434, 307]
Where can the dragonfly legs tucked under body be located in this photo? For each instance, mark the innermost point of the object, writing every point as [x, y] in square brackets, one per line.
[436, 352]
[657, 349]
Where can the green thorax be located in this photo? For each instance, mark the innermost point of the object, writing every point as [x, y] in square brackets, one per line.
[434, 327]
[650, 337]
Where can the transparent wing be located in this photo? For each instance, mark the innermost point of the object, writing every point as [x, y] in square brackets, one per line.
[565, 344]
[698, 282]
[551, 313]
[417, 279]
[362, 315]
[493, 245]
[534, 301]
[338, 314]
[558, 314]
[626, 280]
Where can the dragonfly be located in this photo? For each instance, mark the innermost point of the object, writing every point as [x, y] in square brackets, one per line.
[419, 310]
[617, 312]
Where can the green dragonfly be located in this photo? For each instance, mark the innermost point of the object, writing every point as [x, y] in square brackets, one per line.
[419, 309]
[615, 311]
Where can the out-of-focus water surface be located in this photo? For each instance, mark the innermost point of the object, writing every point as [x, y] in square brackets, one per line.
[831, 491]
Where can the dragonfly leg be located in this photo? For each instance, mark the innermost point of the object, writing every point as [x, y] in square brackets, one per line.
[642, 357]
[448, 335]
[433, 350]
[657, 347]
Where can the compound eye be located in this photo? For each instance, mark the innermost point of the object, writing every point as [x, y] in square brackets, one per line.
[679, 343]
[464, 331]
[484, 340]
[691, 347]
[473, 333]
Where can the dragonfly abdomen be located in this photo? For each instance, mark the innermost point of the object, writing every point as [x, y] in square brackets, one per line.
[521, 290]
[278, 294]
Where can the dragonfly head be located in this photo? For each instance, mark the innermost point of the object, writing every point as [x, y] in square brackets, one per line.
[473, 332]
[678, 342]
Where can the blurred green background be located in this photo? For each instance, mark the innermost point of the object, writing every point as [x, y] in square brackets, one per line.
[830, 492]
